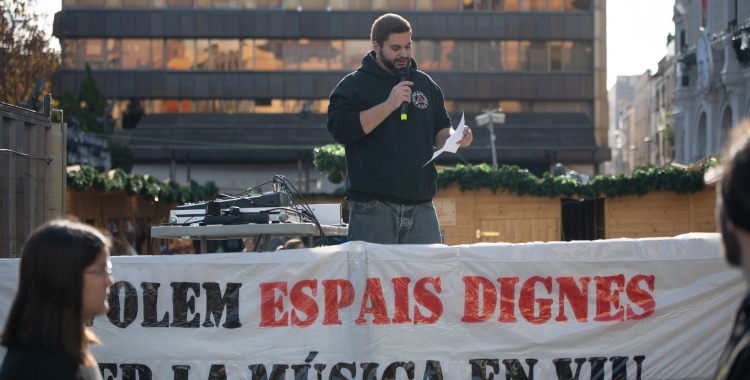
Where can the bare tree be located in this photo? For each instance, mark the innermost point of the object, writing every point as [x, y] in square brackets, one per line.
[25, 54]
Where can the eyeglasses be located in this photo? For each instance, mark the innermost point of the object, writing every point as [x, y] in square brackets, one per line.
[101, 272]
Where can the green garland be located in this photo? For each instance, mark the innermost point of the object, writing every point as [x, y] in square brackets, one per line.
[330, 159]
[149, 188]
[516, 180]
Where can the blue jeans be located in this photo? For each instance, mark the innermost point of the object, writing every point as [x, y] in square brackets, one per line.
[388, 223]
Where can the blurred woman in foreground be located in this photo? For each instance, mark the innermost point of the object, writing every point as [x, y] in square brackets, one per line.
[64, 282]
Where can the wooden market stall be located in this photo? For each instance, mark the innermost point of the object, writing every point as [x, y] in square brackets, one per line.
[475, 216]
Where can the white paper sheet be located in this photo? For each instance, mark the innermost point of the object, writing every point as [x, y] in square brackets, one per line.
[451, 145]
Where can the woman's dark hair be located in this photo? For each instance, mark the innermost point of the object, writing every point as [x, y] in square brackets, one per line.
[386, 25]
[734, 189]
[46, 312]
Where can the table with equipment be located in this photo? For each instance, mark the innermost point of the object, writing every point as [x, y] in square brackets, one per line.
[239, 231]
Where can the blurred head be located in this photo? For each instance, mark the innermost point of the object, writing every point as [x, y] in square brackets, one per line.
[733, 203]
[64, 281]
[391, 40]
[249, 244]
[294, 244]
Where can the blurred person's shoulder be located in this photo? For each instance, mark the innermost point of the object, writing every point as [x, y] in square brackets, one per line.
[38, 363]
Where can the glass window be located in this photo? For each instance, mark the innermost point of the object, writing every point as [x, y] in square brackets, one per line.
[446, 5]
[201, 54]
[513, 106]
[336, 5]
[335, 54]
[450, 106]
[230, 106]
[269, 106]
[489, 57]
[291, 55]
[225, 4]
[313, 4]
[68, 53]
[399, 4]
[496, 5]
[556, 5]
[91, 3]
[247, 55]
[424, 5]
[468, 57]
[354, 51]
[467, 5]
[136, 53]
[359, 4]
[91, 51]
[511, 55]
[268, 55]
[424, 53]
[537, 56]
[577, 56]
[114, 47]
[293, 105]
[313, 55]
[268, 4]
[577, 5]
[533, 5]
[158, 106]
[319, 106]
[245, 106]
[157, 54]
[447, 56]
[186, 106]
[511, 5]
[225, 55]
[179, 3]
[172, 106]
[204, 106]
[180, 54]
[555, 56]
[135, 3]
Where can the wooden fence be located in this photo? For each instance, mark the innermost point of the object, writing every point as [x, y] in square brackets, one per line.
[128, 217]
[32, 174]
[467, 217]
[480, 216]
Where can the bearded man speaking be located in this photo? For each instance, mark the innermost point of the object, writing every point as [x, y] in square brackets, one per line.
[389, 115]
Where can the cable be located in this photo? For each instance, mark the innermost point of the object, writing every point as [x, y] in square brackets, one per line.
[306, 207]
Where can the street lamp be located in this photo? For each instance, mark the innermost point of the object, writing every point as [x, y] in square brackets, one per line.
[488, 118]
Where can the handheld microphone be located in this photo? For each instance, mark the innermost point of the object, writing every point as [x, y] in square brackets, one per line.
[403, 74]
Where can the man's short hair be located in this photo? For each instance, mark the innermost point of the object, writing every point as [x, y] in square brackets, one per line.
[386, 25]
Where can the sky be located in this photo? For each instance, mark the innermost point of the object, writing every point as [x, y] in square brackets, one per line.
[636, 34]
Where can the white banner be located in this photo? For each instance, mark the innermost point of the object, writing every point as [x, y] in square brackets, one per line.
[617, 309]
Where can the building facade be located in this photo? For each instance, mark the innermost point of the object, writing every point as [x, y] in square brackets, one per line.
[620, 103]
[246, 82]
[712, 92]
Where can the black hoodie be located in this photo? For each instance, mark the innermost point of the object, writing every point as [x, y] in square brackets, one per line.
[387, 164]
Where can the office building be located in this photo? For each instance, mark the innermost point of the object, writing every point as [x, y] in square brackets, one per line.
[243, 85]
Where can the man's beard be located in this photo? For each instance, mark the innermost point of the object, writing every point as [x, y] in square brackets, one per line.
[391, 65]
